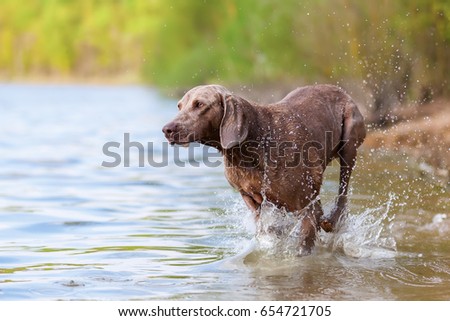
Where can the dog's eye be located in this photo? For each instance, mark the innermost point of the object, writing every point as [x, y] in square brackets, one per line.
[198, 104]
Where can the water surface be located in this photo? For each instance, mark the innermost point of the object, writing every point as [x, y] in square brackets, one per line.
[72, 229]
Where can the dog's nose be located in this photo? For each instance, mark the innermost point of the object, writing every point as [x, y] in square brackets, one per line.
[170, 128]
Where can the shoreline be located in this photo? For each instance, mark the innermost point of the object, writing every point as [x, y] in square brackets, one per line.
[117, 80]
[420, 131]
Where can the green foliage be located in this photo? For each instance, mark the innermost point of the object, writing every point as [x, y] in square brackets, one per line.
[239, 41]
[75, 37]
[399, 49]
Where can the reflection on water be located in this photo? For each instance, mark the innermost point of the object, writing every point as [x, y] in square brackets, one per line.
[72, 229]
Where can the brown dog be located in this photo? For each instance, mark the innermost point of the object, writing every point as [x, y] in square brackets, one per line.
[277, 152]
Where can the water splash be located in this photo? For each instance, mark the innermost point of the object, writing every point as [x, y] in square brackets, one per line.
[358, 235]
[366, 234]
[278, 231]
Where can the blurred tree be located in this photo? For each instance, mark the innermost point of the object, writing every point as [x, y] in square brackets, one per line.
[186, 38]
[400, 50]
[76, 38]
[428, 25]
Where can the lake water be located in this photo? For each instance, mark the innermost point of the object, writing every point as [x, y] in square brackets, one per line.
[72, 229]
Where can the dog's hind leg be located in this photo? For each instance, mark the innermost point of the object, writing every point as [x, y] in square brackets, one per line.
[353, 134]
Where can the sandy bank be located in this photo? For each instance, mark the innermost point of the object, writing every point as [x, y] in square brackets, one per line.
[422, 132]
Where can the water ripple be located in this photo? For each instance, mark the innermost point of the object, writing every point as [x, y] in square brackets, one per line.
[71, 229]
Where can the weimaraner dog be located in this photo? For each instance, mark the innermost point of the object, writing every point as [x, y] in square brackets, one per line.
[277, 152]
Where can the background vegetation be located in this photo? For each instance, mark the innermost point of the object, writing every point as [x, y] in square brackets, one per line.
[399, 49]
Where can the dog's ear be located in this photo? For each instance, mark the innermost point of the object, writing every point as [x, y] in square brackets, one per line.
[234, 125]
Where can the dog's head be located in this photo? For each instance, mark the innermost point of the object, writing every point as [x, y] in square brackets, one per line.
[211, 115]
